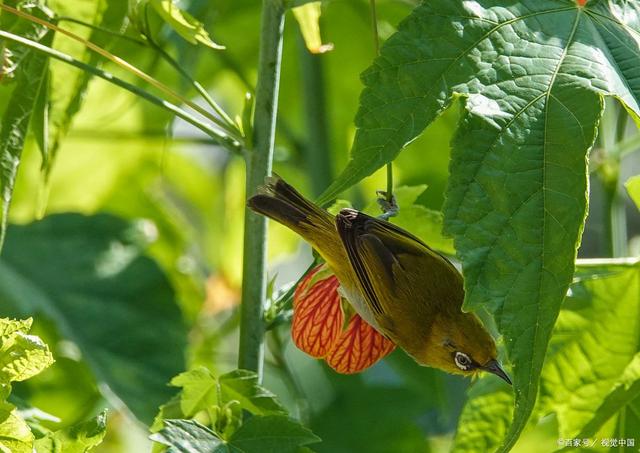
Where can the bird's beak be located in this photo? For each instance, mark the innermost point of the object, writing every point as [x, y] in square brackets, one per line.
[492, 366]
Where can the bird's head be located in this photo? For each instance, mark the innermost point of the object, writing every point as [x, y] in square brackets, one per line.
[458, 343]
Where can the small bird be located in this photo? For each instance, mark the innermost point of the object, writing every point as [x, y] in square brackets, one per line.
[408, 292]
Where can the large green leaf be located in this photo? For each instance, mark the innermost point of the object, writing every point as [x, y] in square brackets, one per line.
[533, 74]
[32, 68]
[87, 274]
[593, 347]
[592, 370]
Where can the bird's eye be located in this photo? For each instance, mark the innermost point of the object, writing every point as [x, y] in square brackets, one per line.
[462, 361]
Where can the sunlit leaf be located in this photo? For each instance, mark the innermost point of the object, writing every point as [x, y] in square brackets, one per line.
[23, 356]
[592, 370]
[202, 391]
[183, 23]
[15, 435]
[625, 396]
[633, 188]
[199, 390]
[308, 17]
[595, 341]
[243, 386]
[79, 438]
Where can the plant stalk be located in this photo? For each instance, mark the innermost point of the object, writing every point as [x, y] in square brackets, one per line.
[316, 149]
[615, 217]
[259, 160]
[615, 220]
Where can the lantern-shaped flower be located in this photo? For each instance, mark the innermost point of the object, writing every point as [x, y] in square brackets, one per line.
[325, 328]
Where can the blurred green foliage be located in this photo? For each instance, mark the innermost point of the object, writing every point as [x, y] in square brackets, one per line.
[129, 254]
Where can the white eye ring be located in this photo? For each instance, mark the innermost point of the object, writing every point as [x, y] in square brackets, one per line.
[462, 361]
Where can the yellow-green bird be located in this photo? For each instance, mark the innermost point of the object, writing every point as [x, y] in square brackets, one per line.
[394, 281]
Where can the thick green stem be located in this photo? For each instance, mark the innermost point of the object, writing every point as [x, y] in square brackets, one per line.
[317, 151]
[254, 278]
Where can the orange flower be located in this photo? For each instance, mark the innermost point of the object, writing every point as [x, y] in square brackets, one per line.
[318, 326]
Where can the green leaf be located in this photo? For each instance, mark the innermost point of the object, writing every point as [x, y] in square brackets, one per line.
[592, 369]
[485, 419]
[79, 438]
[271, 434]
[32, 68]
[88, 275]
[259, 434]
[624, 396]
[199, 390]
[9, 327]
[189, 436]
[594, 344]
[633, 189]
[243, 386]
[22, 356]
[68, 86]
[15, 435]
[183, 23]
[533, 74]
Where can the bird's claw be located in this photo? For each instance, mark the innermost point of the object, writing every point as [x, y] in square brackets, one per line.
[389, 208]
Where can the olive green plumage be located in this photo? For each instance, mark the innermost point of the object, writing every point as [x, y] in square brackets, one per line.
[404, 289]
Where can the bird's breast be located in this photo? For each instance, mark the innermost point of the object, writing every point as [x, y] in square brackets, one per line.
[356, 299]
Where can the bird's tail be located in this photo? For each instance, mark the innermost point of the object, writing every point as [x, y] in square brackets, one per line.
[279, 201]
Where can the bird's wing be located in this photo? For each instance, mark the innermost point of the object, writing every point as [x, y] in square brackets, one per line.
[392, 265]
